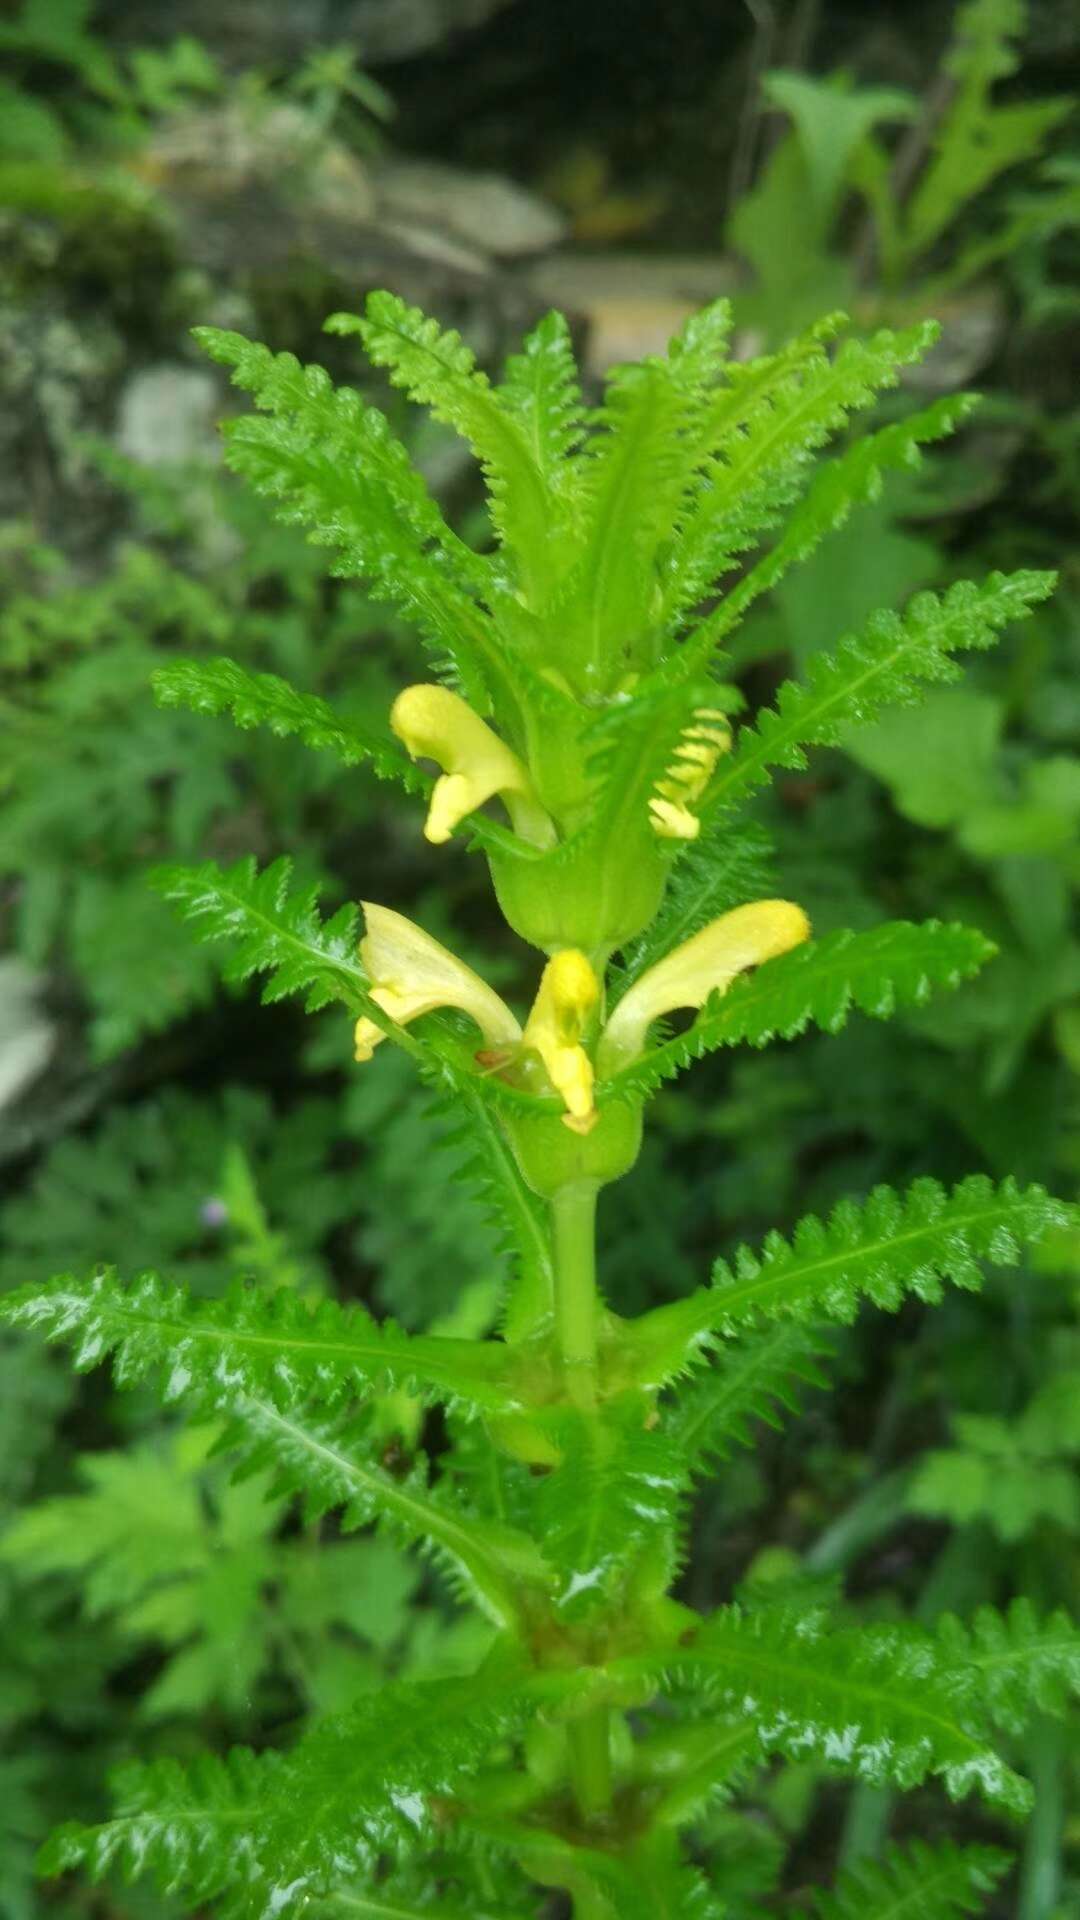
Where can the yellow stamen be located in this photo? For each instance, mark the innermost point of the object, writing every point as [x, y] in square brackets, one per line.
[698, 751]
[706, 964]
[436, 724]
[411, 974]
[568, 994]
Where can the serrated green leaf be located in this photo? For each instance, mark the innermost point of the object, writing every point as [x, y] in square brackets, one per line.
[891, 967]
[889, 1246]
[222, 686]
[278, 933]
[435, 367]
[756, 470]
[887, 665]
[488, 1564]
[864, 1700]
[521, 1223]
[274, 1831]
[540, 391]
[853, 479]
[618, 1488]
[934, 1883]
[756, 1380]
[1007, 1668]
[291, 1349]
[330, 463]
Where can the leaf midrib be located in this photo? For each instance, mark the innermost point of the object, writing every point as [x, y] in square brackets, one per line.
[741, 1656]
[718, 1299]
[408, 1357]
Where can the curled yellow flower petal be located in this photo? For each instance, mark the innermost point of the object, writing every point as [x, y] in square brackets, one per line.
[411, 974]
[436, 724]
[568, 995]
[706, 964]
[686, 779]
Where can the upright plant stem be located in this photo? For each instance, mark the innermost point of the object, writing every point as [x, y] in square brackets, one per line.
[574, 1218]
[589, 1743]
[1040, 1878]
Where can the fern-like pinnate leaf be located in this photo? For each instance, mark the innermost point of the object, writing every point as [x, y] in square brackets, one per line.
[275, 930]
[262, 1362]
[434, 366]
[915, 1883]
[222, 686]
[887, 665]
[866, 1700]
[881, 1250]
[764, 429]
[893, 966]
[759, 1378]
[274, 1831]
[518, 1216]
[188, 1828]
[293, 1350]
[329, 462]
[853, 479]
[618, 1489]
[540, 391]
[328, 1465]
[1013, 1665]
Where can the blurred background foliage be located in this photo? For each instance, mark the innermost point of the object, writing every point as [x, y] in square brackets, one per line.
[256, 167]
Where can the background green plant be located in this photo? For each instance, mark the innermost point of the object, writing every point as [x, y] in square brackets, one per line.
[986, 1078]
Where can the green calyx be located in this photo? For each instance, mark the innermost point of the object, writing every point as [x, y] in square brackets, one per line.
[550, 1156]
[581, 896]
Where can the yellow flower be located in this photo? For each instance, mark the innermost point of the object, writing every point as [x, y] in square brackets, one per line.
[438, 725]
[706, 964]
[569, 992]
[696, 756]
[411, 974]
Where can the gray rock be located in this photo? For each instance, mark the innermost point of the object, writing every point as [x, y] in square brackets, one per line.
[27, 1038]
[217, 151]
[251, 33]
[167, 416]
[630, 304]
[485, 210]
